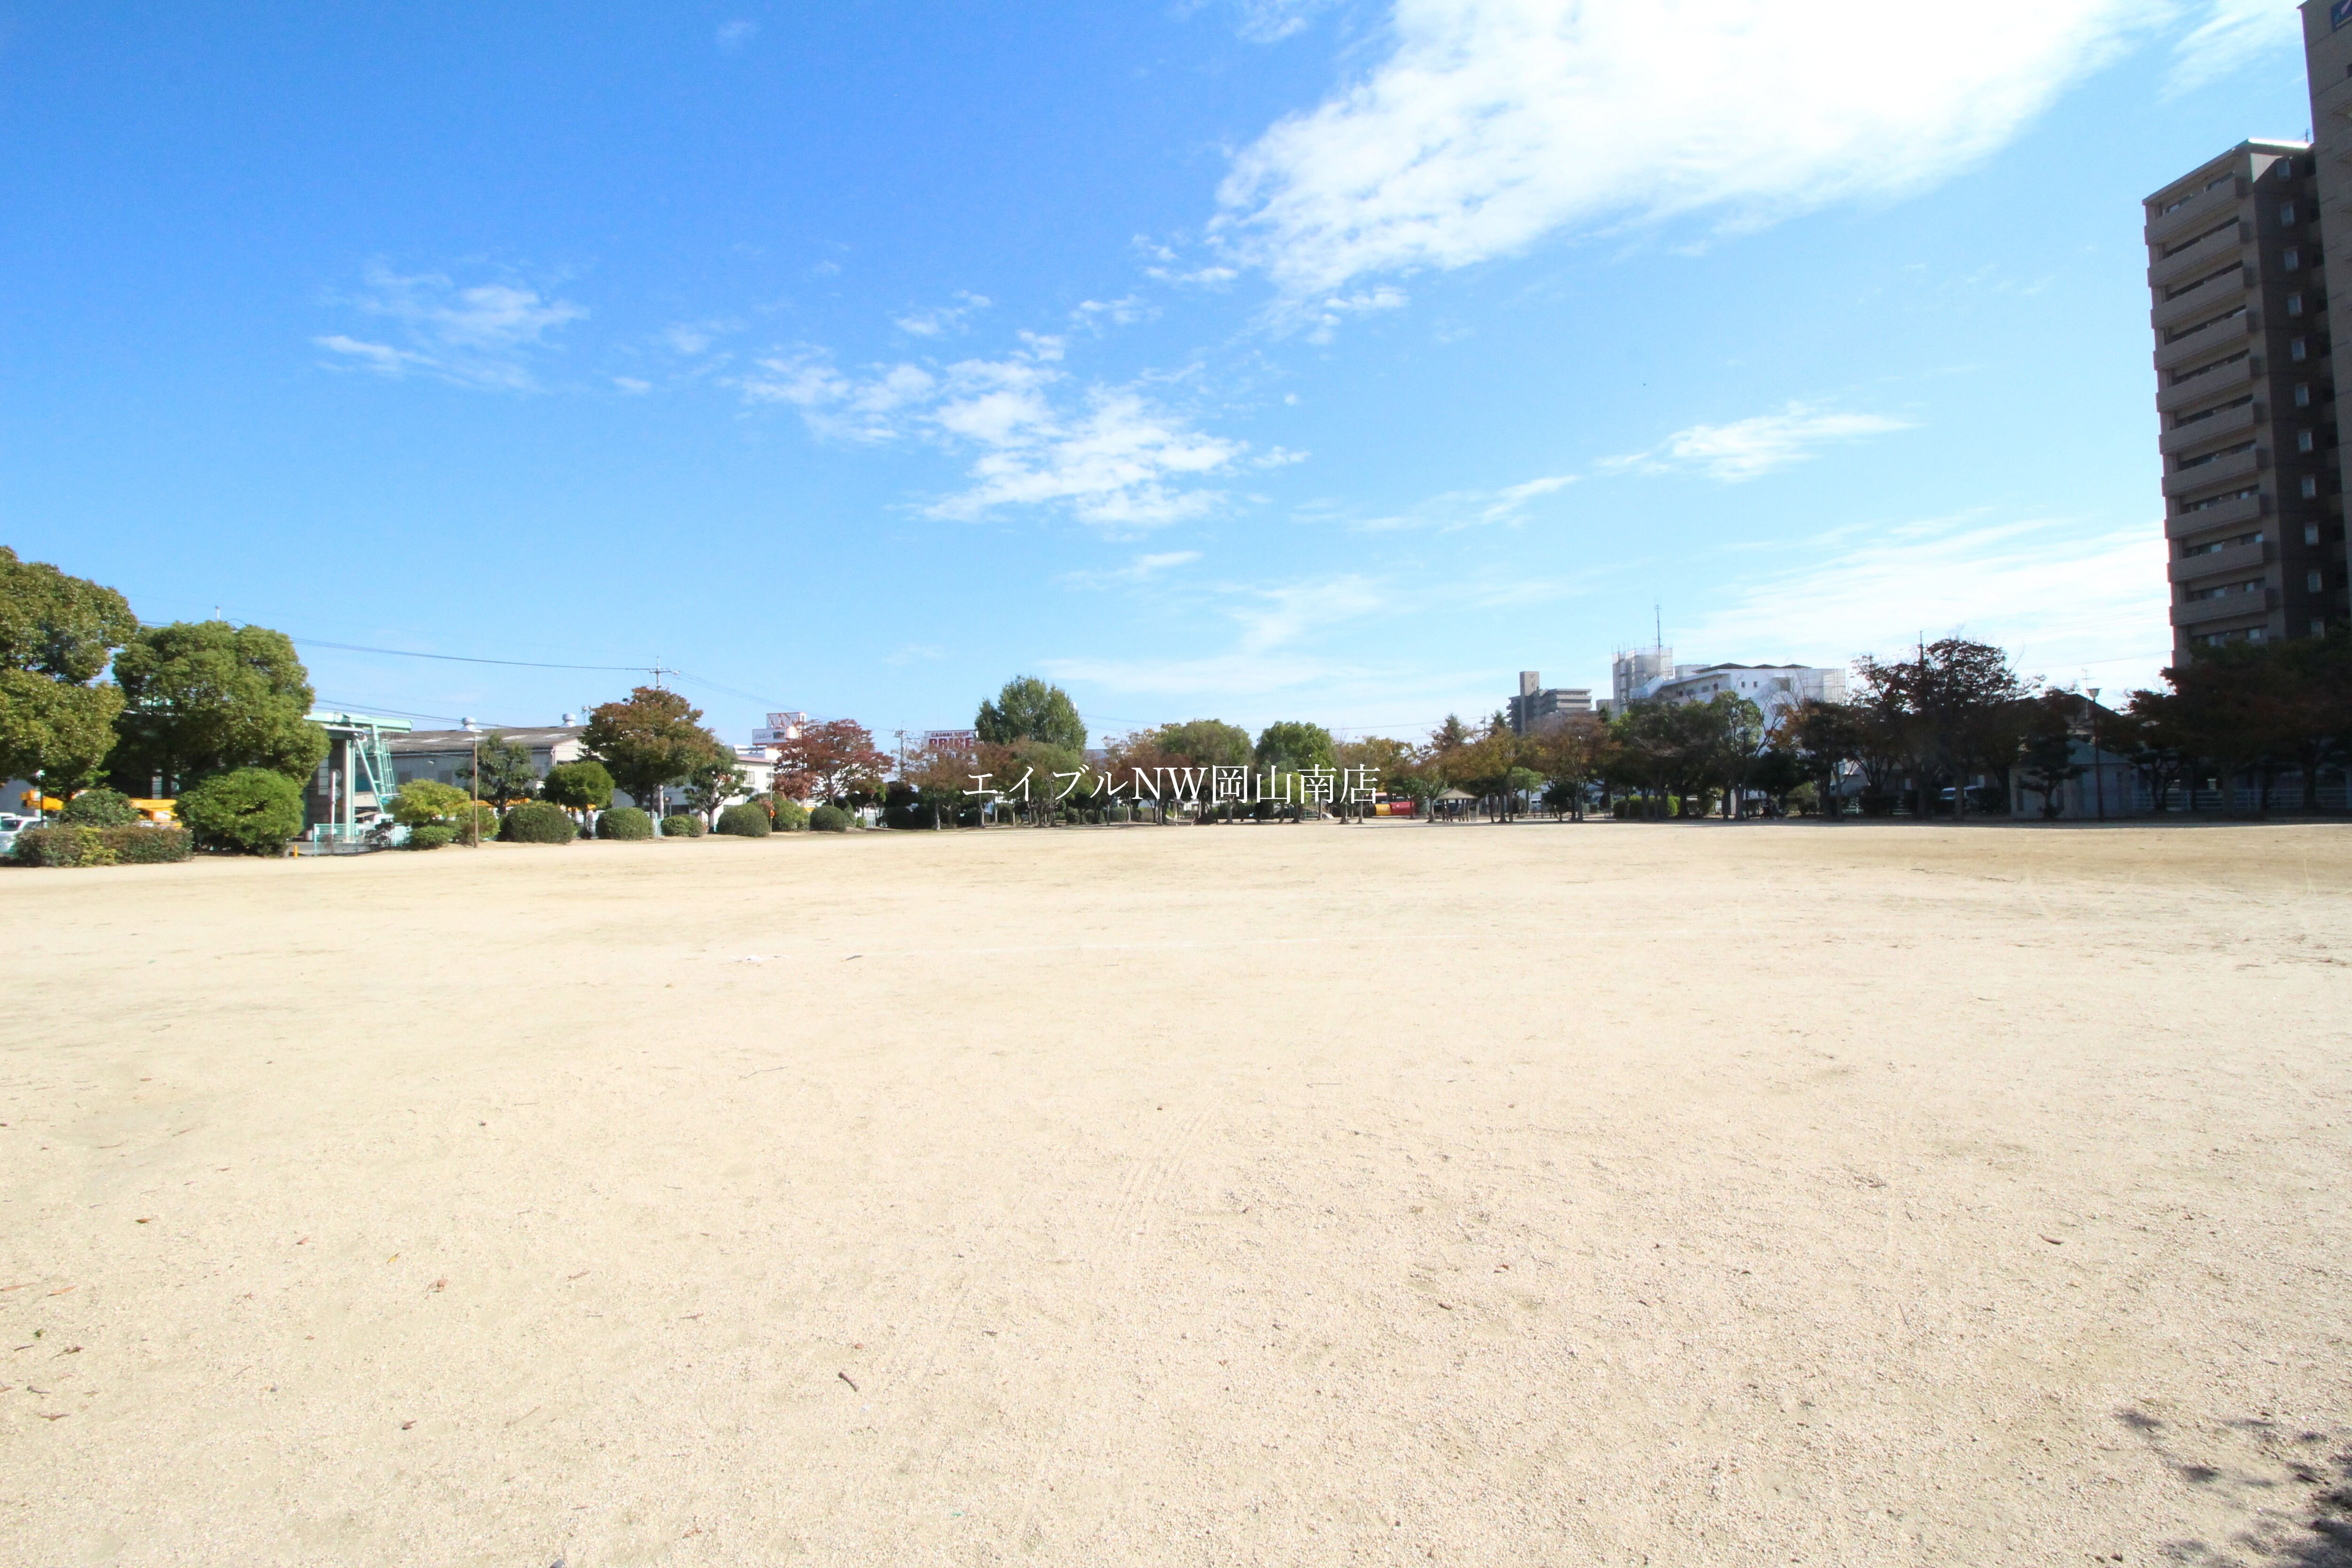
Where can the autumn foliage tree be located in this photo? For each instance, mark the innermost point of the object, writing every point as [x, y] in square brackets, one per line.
[829, 763]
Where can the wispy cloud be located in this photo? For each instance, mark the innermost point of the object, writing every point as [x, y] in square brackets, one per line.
[1096, 314]
[942, 320]
[1493, 123]
[2062, 599]
[1110, 455]
[735, 34]
[1141, 569]
[481, 335]
[1750, 449]
[1269, 624]
[2234, 34]
[1457, 510]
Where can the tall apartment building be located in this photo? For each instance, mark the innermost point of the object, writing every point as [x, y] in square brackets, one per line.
[1538, 707]
[2327, 64]
[2246, 395]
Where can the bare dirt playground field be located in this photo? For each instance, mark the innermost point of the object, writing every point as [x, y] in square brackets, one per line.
[1611, 1193]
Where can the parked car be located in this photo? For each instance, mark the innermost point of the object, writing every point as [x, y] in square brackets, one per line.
[11, 825]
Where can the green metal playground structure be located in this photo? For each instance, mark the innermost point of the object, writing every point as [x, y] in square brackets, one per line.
[358, 764]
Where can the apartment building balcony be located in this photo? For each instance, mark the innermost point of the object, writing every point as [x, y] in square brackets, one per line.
[2204, 256]
[2240, 560]
[2183, 524]
[2212, 384]
[2216, 340]
[2234, 465]
[2228, 422]
[2198, 211]
[2254, 607]
[2206, 300]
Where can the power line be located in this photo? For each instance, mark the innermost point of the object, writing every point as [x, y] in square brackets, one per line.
[466, 659]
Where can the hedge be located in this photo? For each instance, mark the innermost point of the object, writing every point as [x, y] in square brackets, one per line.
[744, 821]
[681, 825]
[536, 822]
[101, 808]
[792, 817]
[829, 820]
[625, 822]
[252, 811]
[74, 844]
[431, 835]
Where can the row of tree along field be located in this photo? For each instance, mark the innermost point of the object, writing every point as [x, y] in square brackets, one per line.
[216, 716]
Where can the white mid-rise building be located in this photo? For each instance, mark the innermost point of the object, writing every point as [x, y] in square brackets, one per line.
[1651, 675]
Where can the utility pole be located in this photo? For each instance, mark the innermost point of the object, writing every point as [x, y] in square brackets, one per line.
[474, 805]
[2098, 774]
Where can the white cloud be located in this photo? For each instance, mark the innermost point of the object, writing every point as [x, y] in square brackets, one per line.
[689, 339]
[735, 34]
[1141, 569]
[631, 385]
[1269, 624]
[1271, 21]
[481, 336]
[1471, 509]
[2234, 34]
[942, 319]
[1110, 455]
[1493, 123]
[1748, 448]
[2062, 601]
[1093, 314]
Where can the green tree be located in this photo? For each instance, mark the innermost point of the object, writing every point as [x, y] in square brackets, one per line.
[1293, 746]
[653, 739]
[57, 634]
[1204, 742]
[2048, 752]
[506, 774]
[203, 696]
[1823, 738]
[580, 786]
[1029, 709]
[709, 782]
[253, 810]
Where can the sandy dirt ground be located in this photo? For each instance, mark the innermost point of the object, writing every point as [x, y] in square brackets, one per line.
[1614, 1194]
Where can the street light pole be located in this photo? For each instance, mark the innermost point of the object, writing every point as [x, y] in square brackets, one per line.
[2098, 772]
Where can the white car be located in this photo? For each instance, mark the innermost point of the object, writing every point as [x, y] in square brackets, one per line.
[11, 825]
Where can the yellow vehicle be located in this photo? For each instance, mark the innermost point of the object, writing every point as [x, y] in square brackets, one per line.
[158, 812]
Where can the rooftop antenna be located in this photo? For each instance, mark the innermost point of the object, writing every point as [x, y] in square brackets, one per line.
[1657, 625]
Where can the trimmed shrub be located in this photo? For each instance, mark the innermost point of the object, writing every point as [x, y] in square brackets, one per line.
[142, 845]
[744, 821]
[101, 808]
[536, 822]
[583, 785]
[485, 821]
[421, 801]
[681, 825]
[66, 844]
[828, 819]
[432, 836]
[251, 811]
[792, 817]
[625, 822]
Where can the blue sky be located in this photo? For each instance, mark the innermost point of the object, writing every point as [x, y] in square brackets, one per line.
[1251, 360]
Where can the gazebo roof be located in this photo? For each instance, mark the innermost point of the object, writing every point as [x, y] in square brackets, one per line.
[1457, 795]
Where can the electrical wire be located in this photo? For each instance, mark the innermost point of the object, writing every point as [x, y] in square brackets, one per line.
[465, 658]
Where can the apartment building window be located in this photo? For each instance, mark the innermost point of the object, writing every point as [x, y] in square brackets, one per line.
[2312, 582]
[2299, 350]
[2311, 534]
[2302, 395]
[2319, 626]
[2294, 304]
[2209, 503]
[2286, 211]
[2303, 440]
[2292, 258]
[2254, 634]
[2180, 377]
[2310, 486]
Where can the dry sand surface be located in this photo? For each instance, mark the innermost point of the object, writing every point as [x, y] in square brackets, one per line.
[1545, 1194]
